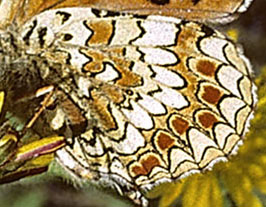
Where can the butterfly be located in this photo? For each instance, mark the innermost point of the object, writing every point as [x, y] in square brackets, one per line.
[141, 98]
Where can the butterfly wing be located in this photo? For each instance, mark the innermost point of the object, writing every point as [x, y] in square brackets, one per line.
[216, 11]
[162, 97]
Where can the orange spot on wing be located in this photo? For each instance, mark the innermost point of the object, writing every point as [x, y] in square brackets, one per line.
[102, 31]
[147, 164]
[139, 170]
[207, 119]
[95, 61]
[206, 67]
[211, 95]
[128, 78]
[180, 125]
[164, 141]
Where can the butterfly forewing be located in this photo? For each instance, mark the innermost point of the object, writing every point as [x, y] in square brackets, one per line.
[149, 98]
[199, 10]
